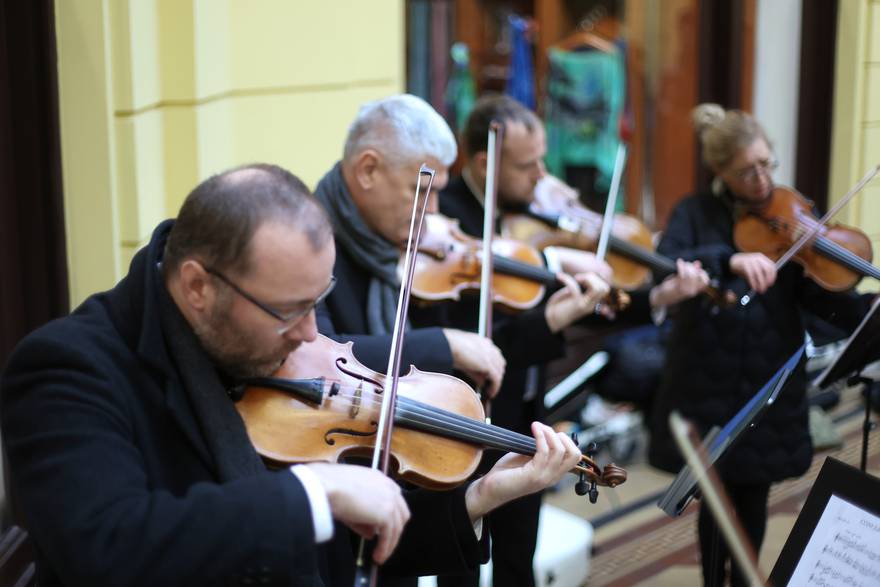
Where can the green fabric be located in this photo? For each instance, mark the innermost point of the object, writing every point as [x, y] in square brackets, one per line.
[585, 100]
[460, 90]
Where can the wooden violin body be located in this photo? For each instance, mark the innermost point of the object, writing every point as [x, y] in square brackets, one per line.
[287, 429]
[576, 226]
[583, 233]
[556, 218]
[323, 405]
[836, 258]
[449, 263]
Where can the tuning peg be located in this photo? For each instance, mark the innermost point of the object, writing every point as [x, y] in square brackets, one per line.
[591, 449]
[581, 487]
[594, 493]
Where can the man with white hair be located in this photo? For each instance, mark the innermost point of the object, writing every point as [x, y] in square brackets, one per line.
[369, 197]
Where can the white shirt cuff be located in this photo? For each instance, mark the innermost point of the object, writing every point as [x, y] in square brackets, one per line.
[551, 257]
[322, 518]
[478, 528]
[658, 315]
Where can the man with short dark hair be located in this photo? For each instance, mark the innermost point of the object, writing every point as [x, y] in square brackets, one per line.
[130, 461]
[520, 401]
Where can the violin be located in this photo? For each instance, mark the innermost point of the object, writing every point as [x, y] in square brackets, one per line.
[323, 405]
[557, 218]
[449, 263]
[838, 256]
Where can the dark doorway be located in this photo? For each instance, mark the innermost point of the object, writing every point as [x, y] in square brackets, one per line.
[818, 42]
[33, 289]
[33, 266]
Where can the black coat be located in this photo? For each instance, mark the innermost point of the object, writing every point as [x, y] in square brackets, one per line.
[717, 360]
[118, 486]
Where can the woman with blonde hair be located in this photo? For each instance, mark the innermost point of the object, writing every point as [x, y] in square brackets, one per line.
[718, 358]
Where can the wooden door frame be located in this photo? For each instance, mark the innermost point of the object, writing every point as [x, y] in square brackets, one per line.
[816, 99]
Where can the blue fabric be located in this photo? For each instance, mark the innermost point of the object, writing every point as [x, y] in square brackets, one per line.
[521, 83]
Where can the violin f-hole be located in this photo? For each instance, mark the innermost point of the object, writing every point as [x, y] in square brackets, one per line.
[340, 361]
[347, 432]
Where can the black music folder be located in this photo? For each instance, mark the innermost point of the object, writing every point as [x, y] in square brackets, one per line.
[862, 348]
[683, 489]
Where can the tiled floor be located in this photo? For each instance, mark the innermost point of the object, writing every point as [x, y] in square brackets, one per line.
[645, 547]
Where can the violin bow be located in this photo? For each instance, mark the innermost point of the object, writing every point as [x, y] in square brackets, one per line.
[620, 299]
[809, 234]
[716, 498]
[611, 203]
[366, 573]
[490, 199]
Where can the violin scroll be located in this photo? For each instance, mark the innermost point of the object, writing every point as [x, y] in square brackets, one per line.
[612, 475]
[590, 475]
[722, 298]
[617, 300]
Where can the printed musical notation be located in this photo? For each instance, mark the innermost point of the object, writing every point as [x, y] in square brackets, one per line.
[844, 549]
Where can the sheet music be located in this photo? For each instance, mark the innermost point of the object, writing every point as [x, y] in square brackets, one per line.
[844, 549]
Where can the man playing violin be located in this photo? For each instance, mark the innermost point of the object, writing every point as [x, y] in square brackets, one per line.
[129, 460]
[369, 196]
[520, 172]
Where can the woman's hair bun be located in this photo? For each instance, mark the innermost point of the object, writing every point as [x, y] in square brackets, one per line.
[706, 116]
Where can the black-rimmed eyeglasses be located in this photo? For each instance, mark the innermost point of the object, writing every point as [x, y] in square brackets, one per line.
[288, 319]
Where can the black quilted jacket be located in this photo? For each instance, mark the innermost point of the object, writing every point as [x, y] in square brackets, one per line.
[718, 359]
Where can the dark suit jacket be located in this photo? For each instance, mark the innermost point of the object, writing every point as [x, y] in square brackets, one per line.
[118, 486]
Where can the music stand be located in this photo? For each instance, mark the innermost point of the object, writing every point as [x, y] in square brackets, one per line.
[684, 488]
[861, 349]
[834, 540]
[559, 401]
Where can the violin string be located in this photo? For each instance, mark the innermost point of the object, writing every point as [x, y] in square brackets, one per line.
[624, 247]
[522, 269]
[488, 434]
[832, 249]
[476, 429]
[637, 253]
[465, 432]
[429, 418]
[849, 258]
[483, 432]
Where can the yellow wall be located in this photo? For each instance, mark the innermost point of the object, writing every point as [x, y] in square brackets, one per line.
[856, 125]
[156, 95]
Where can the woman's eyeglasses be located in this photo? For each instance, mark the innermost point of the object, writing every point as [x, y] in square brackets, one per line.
[750, 173]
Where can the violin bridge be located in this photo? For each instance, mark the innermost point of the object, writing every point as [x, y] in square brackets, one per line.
[356, 401]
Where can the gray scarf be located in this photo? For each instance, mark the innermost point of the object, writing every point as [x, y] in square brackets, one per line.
[369, 250]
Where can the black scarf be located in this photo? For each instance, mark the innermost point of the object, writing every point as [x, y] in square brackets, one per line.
[222, 426]
[369, 250]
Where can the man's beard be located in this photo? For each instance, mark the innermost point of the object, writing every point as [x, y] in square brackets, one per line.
[231, 347]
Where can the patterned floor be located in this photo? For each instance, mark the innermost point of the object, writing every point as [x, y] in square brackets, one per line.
[645, 547]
